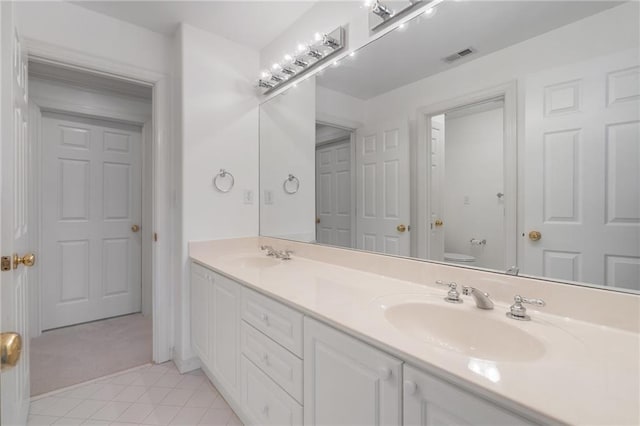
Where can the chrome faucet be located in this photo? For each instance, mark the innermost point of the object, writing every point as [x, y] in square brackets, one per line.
[278, 254]
[517, 311]
[481, 298]
[270, 251]
[514, 270]
[283, 254]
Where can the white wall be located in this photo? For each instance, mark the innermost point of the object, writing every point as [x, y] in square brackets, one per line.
[287, 146]
[339, 109]
[219, 129]
[77, 28]
[473, 170]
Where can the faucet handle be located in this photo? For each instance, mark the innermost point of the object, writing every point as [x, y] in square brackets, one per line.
[518, 312]
[453, 296]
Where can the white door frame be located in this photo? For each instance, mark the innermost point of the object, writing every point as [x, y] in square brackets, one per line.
[344, 125]
[161, 214]
[422, 208]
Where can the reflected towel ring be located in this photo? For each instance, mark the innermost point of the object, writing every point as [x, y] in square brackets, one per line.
[223, 174]
[296, 184]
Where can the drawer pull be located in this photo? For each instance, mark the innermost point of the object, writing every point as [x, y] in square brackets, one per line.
[385, 373]
[265, 410]
[265, 359]
[410, 387]
[264, 318]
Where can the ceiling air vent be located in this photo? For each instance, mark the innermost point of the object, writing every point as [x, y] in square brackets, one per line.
[459, 55]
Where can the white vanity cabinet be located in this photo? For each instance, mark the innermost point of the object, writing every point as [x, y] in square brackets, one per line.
[280, 367]
[200, 311]
[431, 401]
[215, 325]
[347, 382]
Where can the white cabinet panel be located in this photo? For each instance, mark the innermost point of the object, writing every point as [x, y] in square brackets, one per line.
[279, 322]
[430, 401]
[200, 309]
[278, 363]
[264, 401]
[224, 332]
[347, 382]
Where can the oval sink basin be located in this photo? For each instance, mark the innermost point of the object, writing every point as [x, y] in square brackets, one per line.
[473, 334]
[254, 262]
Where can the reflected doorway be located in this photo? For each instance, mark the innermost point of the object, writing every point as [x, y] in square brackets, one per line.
[334, 181]
[467, 186]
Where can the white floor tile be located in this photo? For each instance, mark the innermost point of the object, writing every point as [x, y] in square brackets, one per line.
[216, 417]
[58, 407]
[130, 394]
[153, 395]
[38, 420]
[136, 413]
[190, 382]
[169, 380]
[68, 421]
[111, 411]
[188, 416]
[107, 392]
[177, 397]
[86, 409]
[161, 415]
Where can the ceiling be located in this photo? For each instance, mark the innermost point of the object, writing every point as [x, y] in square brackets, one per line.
[417, 51]
[252, 23]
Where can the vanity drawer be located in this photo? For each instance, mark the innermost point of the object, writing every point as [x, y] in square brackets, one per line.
[279, 322]
[277, 362]
[264, 401]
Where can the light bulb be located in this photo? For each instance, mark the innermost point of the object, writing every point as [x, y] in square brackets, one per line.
[317, 36]
[264, 74]
[287, 57]
[301, 47]
[275, 66]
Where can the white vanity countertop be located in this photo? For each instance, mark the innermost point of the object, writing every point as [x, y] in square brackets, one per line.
[577, 372]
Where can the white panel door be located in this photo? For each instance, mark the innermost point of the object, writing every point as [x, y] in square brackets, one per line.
[382, 181]
[347, 382]
[91, 197]
[436, 184]
[14, 383]
[582, 172]
[333, 194]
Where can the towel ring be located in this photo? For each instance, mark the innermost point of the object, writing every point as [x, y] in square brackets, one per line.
[296, 183]
[223, 174]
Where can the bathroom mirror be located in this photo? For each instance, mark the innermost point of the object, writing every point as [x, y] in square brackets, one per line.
[488, 134]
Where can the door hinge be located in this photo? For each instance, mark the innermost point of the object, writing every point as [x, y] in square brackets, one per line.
[5, 263]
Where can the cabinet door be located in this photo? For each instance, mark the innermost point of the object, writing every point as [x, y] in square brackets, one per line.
[200, 291]
[431, 401]
[347, 382]
[225, 332]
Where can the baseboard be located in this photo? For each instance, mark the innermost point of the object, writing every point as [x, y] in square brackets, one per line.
[186, 365]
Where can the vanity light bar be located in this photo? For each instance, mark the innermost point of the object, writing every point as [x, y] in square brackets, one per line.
[307, 57]
[378, 10]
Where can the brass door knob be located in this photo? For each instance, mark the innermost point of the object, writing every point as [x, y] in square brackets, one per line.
[135, 228]
[438, 222]
[28, 259]
[401, 228]
[10, 350]
[535, 235]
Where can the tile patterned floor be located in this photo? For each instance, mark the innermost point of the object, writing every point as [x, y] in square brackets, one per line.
[151, 395]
